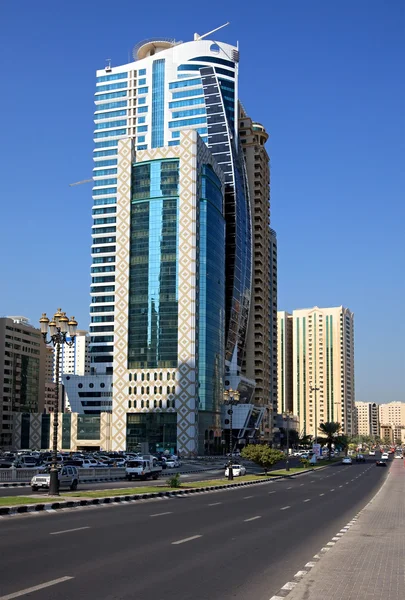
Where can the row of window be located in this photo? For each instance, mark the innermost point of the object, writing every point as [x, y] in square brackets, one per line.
[110, 115]
[100, 172]
[185, 122]
[103, 201]
[189, 102]
[188, 113]
[112, 77]
[112, 133]
[185, 83]
[108, 105]
[147, 404]
[109, 124]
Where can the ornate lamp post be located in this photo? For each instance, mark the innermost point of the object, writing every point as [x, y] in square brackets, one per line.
[287, 416]
[231, 399]
[58, 328]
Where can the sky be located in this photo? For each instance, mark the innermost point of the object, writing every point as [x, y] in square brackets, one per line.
[326, 79]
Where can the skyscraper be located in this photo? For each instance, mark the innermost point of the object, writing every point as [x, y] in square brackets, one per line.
[167, 153]
[323, 363]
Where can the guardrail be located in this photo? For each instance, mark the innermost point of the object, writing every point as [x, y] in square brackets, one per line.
[24, 475]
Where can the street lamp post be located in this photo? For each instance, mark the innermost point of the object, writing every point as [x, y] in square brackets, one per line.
[231, 399]
[315, 389]
[59, 328]
[287, 462]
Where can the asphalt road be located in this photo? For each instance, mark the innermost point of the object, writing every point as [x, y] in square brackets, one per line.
[234, 544]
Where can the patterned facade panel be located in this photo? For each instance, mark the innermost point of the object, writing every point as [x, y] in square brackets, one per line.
[35, 431]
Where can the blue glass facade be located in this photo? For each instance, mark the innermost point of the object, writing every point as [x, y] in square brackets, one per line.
[211, 329]
[153, 298]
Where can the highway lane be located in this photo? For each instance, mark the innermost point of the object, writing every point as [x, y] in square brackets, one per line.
[224, 545]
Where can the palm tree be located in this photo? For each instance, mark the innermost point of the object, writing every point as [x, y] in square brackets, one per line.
[331, 430]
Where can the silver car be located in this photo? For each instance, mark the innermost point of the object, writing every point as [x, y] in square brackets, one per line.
[68, 478]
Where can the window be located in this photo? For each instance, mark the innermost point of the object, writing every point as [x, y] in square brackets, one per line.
[188, 113]
[142, 128]
[112, 77]
[188, 102]
[142, 82]
[142, 100]
[141, 120]
[110, 115]
[142, 109]
[141, 138]
[185, 122]
[142, 72]
[185, 83]
[143, 90]
[108, 96]
[111, 86]
[108, 105]
[111, 133]
[144, 147]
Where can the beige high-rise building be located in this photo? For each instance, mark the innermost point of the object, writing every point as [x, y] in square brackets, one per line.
[285, 361]
[22, 373]
[323, 367]
[367, 418]
[392, 422]
[260, 362]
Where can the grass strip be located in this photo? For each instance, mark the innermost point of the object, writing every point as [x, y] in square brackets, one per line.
[16, 500]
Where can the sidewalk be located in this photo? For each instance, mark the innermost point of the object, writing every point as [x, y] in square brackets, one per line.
[368, 562]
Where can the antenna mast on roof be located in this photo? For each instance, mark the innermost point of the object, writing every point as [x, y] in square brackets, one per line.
[198, 37]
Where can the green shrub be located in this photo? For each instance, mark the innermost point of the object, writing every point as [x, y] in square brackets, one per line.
[174, 481]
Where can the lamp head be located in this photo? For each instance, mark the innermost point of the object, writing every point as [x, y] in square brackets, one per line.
[44, 323]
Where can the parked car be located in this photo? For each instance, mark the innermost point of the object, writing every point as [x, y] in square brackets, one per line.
[398, 456]
[68, 478]
[360, 458]
[172, 462]
[380, 463]
[237, 470]
[347, 460]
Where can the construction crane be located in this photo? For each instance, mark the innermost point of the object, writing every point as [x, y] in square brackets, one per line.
[80, 182]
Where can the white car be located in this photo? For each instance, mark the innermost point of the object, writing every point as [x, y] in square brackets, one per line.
[398, 456]
[385, 456]
[237, 470]
[171, 463]
[68, 477]
[371, 453]
[347, 460]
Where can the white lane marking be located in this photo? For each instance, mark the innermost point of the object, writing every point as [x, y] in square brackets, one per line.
[161, 514]
[189, 539]
[330, 544]
[335, 539]
[284, 508]
[252, 519]
[341, 486]
[309, 565]
[301, 484]
[321, 494]
[273, 492]
[333, 489]
[214, 503]
[290, 488]
[307, 500]
[247, 497]
[313, 481]
[68, 531]
[277, 598]
[35, 588]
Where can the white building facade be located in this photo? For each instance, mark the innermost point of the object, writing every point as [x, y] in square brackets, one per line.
[367, 418]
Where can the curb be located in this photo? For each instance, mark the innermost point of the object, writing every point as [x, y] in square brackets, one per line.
[66, 504]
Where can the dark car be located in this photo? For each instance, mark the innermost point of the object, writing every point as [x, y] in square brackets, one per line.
[381, 463]
[360, 458]
[162, 463]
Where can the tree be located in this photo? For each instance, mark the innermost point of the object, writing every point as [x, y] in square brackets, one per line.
[342, 441]
[262, 455]
[330, 429]
[305, 440]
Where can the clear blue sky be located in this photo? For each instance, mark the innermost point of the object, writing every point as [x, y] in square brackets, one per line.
[325, 77]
